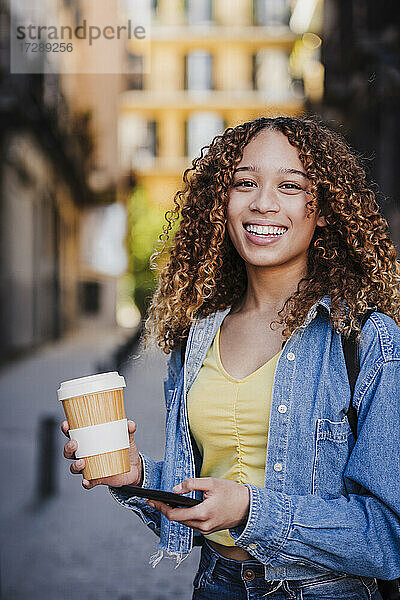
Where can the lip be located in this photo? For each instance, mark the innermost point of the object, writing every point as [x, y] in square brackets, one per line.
[262, 240]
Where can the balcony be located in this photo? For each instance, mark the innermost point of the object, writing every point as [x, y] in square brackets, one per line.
[190, 100]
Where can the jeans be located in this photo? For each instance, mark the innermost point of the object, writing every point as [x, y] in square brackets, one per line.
[221, 578]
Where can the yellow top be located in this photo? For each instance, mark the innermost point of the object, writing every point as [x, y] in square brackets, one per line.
[228, 418]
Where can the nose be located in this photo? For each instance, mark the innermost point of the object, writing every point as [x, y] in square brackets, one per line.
[264, 200]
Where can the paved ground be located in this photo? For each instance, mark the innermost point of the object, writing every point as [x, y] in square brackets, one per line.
[77, 544]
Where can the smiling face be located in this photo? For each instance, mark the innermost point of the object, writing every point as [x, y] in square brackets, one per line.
[267, 214]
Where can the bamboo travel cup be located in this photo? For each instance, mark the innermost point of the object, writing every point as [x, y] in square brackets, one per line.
[94, 407]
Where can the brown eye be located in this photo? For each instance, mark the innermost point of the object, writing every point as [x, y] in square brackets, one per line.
[244, 183]
[292, 186]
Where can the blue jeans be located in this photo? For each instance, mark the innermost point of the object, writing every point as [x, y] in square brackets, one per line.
[221, 578]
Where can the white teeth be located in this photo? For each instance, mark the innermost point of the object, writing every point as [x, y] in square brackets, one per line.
[265, 229]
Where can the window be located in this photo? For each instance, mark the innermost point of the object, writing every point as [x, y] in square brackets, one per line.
[201, 128]
[198, 71]
[271, 74]
[89, 296]
[271, 12]
[135, 71]
[198, 12]
[137, 141]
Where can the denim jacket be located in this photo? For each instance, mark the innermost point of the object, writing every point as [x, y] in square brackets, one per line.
[329, 503]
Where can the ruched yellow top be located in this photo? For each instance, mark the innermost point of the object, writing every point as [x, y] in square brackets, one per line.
[228, 418]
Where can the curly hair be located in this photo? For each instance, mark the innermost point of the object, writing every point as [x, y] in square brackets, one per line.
[352, 258]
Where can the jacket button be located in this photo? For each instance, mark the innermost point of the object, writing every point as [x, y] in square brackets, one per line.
[282, 408]
[252, 546]
[278, 467]
[290, 356]
[248, 575]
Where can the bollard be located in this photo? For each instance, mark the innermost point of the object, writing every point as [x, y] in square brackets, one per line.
[47, 458]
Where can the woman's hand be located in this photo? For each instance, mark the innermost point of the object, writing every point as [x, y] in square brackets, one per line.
[134, 477]
[225, 505]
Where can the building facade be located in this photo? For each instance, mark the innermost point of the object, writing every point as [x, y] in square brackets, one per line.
[58, 148]
[213, 64]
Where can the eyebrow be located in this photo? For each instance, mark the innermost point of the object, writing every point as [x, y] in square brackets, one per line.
[252, 168]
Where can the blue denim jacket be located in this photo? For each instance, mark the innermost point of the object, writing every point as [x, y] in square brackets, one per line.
[329, 503]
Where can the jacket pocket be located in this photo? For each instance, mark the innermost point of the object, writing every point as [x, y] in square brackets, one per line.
[333, 441]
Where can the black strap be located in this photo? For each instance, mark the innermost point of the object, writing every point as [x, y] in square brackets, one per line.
[183, 350]
[351, 355]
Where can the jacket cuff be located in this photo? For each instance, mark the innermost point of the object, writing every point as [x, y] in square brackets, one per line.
[268, 524]
[148, 515]
[151, 472]
[151, 480]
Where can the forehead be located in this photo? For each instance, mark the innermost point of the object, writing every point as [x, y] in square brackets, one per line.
[271, 148]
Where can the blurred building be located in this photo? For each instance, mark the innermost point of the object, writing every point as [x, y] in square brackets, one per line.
[213, 64]
[68, 140]
[58, 182]
[361, 55]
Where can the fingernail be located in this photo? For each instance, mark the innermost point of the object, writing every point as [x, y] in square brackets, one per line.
[177, 488]
[79, 463]
[151, 504]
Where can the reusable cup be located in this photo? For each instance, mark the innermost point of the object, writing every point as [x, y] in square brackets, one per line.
[94, 407]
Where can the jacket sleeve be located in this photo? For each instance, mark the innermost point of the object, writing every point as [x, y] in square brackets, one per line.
[151, 480]
[152, 470]
[356, 534]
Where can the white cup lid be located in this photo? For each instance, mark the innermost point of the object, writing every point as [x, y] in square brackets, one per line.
[91, 384]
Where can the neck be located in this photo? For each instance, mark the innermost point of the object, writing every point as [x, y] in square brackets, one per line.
[268, 288]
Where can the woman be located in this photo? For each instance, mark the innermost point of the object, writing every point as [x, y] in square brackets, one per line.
[280, 246]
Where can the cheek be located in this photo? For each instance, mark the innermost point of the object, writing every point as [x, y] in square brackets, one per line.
[231, 231]
[232, 217]
[304, 215]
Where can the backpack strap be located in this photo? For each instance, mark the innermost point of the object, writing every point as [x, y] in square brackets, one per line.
[351, 355]
[183, 350]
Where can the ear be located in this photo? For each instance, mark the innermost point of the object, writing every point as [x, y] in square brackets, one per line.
[321, 222]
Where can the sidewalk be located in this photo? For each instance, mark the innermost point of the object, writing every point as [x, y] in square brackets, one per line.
[78, 543]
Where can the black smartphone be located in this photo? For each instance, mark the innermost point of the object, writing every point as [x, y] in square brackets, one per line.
[168, 497]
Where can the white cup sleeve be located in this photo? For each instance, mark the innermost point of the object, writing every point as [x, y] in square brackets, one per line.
[99, 439]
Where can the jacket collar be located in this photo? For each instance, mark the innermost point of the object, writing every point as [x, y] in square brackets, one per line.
[323, 305]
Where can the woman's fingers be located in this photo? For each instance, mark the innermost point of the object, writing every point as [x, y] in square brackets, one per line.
[77, 466]
[88, 485]
[69, 449]
[131, 427]
[65, 428]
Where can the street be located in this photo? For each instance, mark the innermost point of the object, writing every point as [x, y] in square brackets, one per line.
[77, 543]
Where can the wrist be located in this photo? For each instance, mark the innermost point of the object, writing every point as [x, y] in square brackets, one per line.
[138, 480]
[141, 472]
[246, 494]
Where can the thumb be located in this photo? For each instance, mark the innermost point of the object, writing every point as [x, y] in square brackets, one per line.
[91, 483]
[195, 483]
[131, 428]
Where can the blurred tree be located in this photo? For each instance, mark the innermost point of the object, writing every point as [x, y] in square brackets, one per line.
[145, 224]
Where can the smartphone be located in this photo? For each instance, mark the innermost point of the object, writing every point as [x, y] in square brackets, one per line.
[168, 497]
